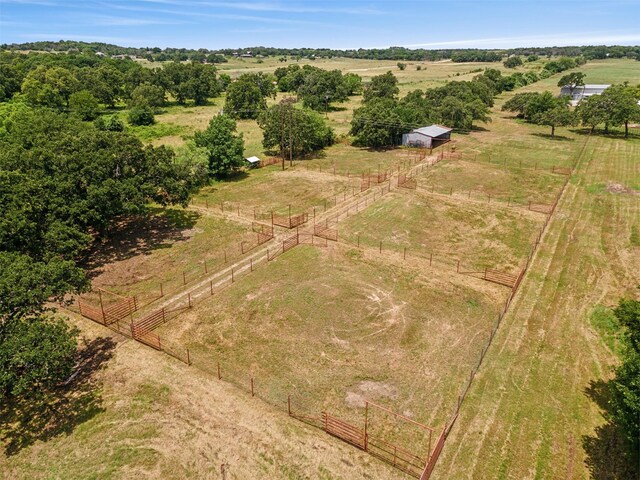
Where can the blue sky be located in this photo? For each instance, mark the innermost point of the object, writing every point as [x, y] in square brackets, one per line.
[328, 23]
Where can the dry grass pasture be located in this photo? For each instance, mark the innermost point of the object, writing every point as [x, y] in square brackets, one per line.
[335, 325]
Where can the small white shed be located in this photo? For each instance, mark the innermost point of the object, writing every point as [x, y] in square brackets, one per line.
[253, 161]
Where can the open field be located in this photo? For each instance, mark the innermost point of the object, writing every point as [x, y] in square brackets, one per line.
[536, 410]
[333, 326]
[364, 328]
[477, 235]
[269, 189]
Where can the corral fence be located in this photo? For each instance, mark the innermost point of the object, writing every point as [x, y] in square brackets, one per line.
[292, 221]
[404, 181]
[399, 456]
[141, 329]
[325, 230]
[107, 314]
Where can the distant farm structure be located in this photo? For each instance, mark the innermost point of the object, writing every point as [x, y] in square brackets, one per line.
[427, 137]
[576, 94]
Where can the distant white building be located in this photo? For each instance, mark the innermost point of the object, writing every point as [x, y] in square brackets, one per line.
[582, 91]
[427, 137]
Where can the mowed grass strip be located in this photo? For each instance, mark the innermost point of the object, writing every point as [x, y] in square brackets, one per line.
[536, 408]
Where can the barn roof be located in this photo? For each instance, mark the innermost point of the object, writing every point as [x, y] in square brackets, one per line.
[433, 130]
[253, 159]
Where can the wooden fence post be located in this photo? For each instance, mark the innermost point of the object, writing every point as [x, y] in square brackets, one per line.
[211, 286]
[161, 290]
[404, 255]
[380, 246]
[232, 276]
[184, 278]
[252, 393]
[188, 358]
[189, 298]
[289, 404]
[219, 376]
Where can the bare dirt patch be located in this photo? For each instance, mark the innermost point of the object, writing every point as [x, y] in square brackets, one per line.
[619, 189]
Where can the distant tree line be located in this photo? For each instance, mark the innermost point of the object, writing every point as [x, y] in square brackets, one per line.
[81, 83]
[391, 53]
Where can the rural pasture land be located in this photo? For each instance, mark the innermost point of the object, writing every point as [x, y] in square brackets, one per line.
[399, 323]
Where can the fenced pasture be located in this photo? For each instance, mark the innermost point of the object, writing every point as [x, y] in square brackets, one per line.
[203, 245]
[468, 176]
[365, 332]
[475, 234]
[270, 190]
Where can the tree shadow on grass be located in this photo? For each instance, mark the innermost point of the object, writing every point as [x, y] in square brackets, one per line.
[608, 455]
[24, 421]
[557, 138]
[140, 235]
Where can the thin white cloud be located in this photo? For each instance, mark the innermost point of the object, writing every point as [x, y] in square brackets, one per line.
[114, 21]
[550, 40]
[269, 7]
[221, 16]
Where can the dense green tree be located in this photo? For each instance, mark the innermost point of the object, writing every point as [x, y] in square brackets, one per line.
[378, 124]
[305, 131]
[543, 102]
[321, 87]
[593, 111]
[244, 99]
[622, 105]
[141, 115]
[147, 95]
[111, 123]
[352, 83]
[518, 103]
[559, 116]
[84, 104]
[224, 146]
[51, 87]
[106, 83]
[455, 114]
[189, 81]
[572, 80]
[382, 86]
[513, 61]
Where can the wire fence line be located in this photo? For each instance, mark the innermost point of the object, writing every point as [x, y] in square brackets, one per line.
[297, 406]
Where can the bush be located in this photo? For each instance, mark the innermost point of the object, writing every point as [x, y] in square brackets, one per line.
[402, 66]
[109, 124]
[141, 116]
[513, 62]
